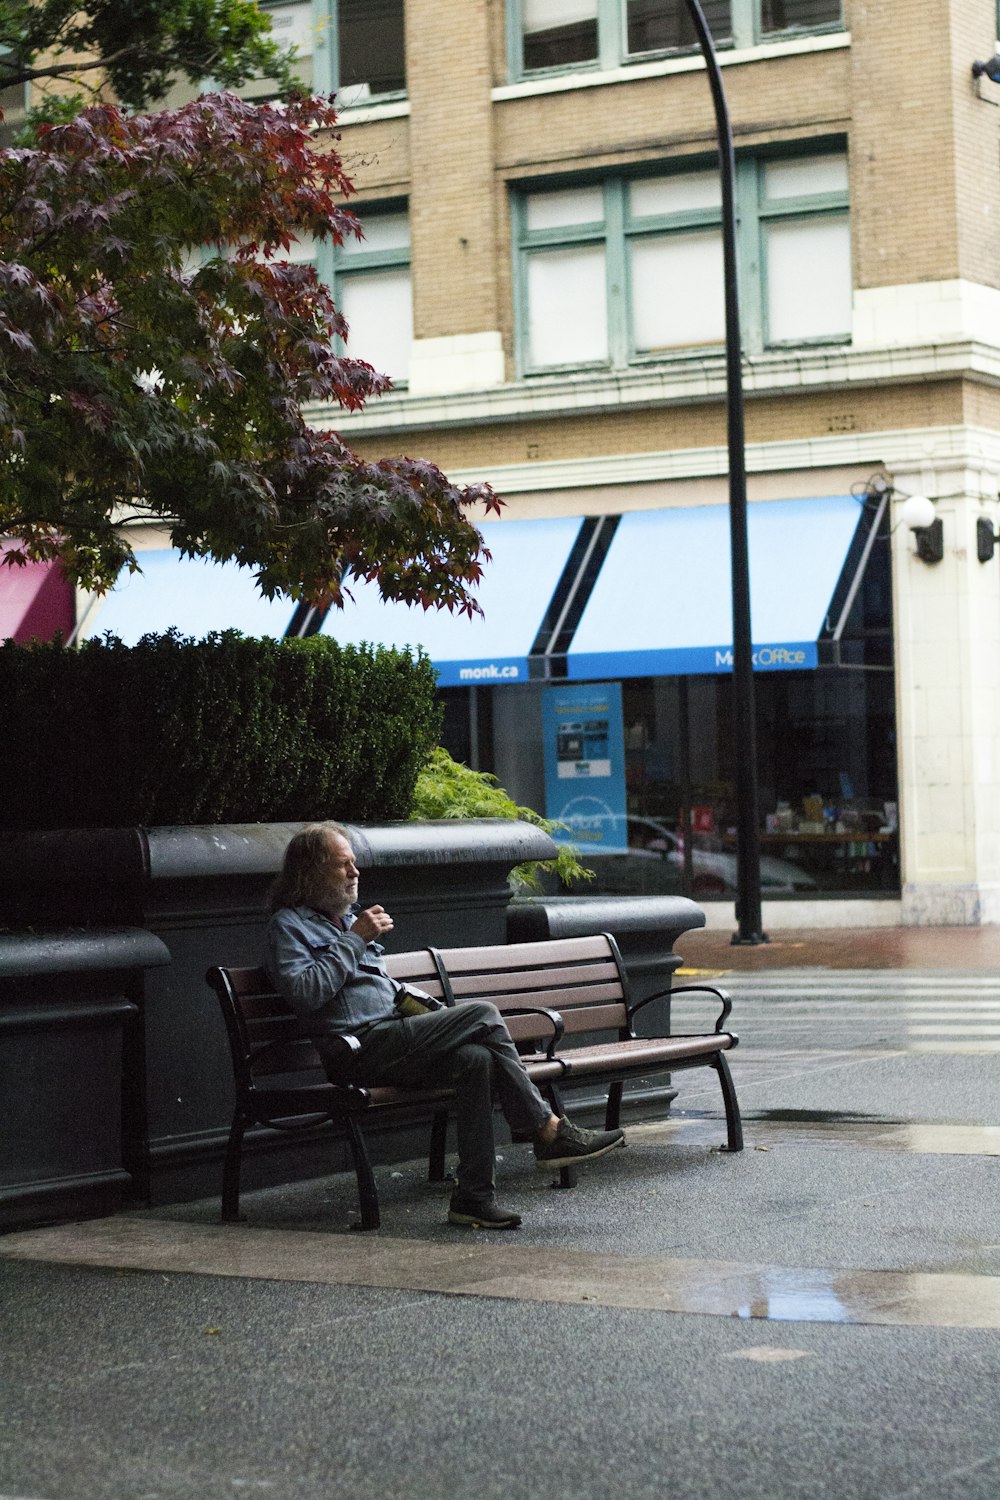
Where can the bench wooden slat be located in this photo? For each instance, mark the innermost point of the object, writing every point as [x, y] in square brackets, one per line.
[286, 1057]
[532, 980]
[530, 1028]
[593, 1018]
[534, 956]
[265, 1007]
[416, 968]
[559, 998]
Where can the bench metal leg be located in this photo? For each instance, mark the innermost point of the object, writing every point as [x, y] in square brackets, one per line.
[612, 1114]
[734, 1125]
[567, 1175]
[439, 1137]
[231, 1171]
[367, 1191]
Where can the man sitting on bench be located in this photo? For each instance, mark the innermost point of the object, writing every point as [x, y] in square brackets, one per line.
[325, 960]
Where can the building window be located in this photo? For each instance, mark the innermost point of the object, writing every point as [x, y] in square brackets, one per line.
[370, 281]
[652, 26]
[546, 34]
[353, 48]
[371, 287]
[559, 33]
[627, 270]
[806, 248]
[798, 15]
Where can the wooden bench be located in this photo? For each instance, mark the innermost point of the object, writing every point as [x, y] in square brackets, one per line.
[566, 1003]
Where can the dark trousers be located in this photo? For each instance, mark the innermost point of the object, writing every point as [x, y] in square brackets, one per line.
[467, 1048]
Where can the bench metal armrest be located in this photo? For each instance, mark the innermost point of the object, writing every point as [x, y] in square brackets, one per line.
[688, 989]
[345, 1040]
[558, 1025]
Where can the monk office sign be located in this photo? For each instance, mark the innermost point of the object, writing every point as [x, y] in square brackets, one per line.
[687, 661]
[775, 658]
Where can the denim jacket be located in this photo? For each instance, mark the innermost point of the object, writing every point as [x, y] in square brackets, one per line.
[334, 981]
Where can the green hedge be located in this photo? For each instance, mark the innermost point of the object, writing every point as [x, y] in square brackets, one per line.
[224, 730]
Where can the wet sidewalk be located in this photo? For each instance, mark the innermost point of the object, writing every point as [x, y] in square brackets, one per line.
[975, 950]
[816, 1316]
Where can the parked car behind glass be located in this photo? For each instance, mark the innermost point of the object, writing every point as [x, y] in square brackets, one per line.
[654, 865]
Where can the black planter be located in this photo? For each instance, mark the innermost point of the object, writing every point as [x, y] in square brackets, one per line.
[202, 893]
[73, 1133]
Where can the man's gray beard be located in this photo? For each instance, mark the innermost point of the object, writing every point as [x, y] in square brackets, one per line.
[336, 903]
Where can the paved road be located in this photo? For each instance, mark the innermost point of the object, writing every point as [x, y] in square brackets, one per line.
[817, 1317]
[926, 1012]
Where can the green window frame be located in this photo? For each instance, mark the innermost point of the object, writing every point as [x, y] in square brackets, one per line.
[371, 284]
[345, 35]
[627, 270]
[611, 33]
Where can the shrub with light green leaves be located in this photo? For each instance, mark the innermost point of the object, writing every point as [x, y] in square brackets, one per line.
[447, 789]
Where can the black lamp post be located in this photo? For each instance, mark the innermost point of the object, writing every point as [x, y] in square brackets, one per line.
[748, 903]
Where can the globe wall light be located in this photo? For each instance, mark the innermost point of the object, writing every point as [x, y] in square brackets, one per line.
[918, 514]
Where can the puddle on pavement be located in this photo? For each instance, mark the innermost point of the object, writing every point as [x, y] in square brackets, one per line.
[528, 1273]
[830, 1128]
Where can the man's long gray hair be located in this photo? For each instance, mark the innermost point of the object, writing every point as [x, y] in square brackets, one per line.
[305, 869]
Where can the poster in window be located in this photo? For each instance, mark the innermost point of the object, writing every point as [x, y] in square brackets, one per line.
[585, 766]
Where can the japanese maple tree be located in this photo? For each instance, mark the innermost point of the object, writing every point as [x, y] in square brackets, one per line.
[157, 347]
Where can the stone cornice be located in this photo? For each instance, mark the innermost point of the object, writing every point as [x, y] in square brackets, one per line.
[908, 449]
[675, 383]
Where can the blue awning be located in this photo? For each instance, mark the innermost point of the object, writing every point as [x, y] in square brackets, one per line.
[516, 589]
[662, 603]
[192, 595]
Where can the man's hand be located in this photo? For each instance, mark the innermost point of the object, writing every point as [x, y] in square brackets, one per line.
[372, 923]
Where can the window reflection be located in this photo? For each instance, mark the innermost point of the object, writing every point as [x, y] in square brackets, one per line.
[559, 32]
[782, 15]
[661, 25]
[370, 44]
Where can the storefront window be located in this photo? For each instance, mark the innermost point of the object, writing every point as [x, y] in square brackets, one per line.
[827, 787]
[826, 742]
[646, 766]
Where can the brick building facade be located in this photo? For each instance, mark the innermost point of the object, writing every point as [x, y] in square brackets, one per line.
[542, 276]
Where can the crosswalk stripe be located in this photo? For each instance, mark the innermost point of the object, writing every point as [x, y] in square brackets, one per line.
[969, 1047]
[871, 1001]
[847, 979]
[953, 1031]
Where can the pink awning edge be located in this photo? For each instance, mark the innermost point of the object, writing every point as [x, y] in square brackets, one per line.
[35, 601]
